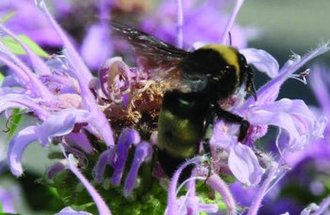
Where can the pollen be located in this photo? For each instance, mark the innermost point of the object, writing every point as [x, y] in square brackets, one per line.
[140, 105]
[146, 100]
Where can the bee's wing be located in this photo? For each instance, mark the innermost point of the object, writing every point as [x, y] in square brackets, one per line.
[163, 58]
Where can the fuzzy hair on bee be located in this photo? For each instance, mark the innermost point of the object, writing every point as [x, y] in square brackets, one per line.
[202, 78]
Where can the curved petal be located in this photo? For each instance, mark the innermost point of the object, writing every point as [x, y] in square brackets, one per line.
[106, 158]
[294, 116]
[143, 152]
[13, 100]
[80, 140]
[17, 146]
[70, 211]
[56, 125]
[54, 169]
[262, 61]
[223, 137]
[192, 205]
[216, 183]
[172, 204]
[127, 138]
[244, 164]
[269, 91]
[320, 88]
[100, 204]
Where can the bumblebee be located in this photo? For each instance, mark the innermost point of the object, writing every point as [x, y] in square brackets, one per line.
[200, 79]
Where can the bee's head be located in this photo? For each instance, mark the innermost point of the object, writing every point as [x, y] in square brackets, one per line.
[215, 70]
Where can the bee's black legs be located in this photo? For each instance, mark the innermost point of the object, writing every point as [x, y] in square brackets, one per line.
[230, 117]
[214, 112]
[250, 88]
[207, 132]
[206, 139]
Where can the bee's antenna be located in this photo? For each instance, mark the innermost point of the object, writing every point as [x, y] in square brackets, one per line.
[179, 24]
[231, 21]
[230, 41]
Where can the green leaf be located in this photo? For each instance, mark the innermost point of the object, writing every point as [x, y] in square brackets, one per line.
[16, 48]
[14, 121]
[7, 17]
[1, 77]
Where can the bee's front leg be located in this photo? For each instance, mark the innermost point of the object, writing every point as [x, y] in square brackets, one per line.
[233, 118]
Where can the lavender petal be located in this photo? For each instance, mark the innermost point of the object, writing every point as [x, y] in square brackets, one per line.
[70, 211]
[17, 146]
[54, 169]
[215, 182]
[127, 138]
[143, 151]
[100, 204]
[81, 141]
[106, 158]
[244, 164]
[59, 124]
[172, 205]
[262, 61]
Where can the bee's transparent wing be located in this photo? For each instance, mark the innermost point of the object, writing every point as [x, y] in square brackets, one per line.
[162, 58]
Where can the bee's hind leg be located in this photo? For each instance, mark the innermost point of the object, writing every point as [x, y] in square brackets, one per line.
[207, 133]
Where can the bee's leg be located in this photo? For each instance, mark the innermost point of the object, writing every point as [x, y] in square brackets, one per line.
[207, 132]
[250, 88]
[209, 172]
[233, 118]
[207, 151]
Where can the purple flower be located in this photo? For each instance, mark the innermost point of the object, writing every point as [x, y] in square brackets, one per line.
[315, 156]
[297, 124]
[46, 95]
